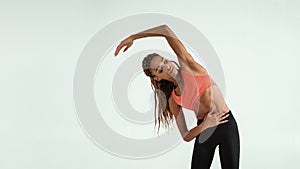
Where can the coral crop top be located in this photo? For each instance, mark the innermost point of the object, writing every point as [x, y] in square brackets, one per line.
[194, 87]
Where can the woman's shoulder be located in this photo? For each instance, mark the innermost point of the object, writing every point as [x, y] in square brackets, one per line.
[192, 67]
[199, 71]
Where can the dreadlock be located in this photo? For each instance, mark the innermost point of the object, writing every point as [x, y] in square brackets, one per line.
[162, 91]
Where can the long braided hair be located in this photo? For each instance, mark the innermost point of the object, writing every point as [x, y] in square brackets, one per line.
[162, 91]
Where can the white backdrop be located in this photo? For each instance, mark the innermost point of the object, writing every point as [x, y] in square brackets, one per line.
[257, 43]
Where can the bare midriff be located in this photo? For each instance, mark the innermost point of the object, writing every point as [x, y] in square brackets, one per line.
[212, 97]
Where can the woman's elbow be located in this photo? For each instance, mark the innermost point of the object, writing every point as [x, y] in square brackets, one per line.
[168, 31]
[165, 26]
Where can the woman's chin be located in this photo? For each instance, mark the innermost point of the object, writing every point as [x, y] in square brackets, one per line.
[174, 74]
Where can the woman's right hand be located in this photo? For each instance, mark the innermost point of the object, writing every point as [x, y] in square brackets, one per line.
[126, 42]
[214, 118]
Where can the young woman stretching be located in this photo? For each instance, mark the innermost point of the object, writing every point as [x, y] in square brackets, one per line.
[190, 86]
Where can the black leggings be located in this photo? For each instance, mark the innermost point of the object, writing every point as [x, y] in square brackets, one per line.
[225, 135]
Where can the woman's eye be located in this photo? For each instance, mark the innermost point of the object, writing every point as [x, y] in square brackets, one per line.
[159, 70]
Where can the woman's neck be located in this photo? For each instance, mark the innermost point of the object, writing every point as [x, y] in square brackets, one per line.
[178, 81]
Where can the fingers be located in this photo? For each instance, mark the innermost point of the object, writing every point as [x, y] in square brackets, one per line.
[127, 46]
[125, 49]
[126, 42]
[224, 121]
[221, 119]
[120, 47]
[118, 50]
[217, 114]
[220, 114]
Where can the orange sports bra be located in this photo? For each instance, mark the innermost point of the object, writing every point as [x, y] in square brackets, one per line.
[194, 87]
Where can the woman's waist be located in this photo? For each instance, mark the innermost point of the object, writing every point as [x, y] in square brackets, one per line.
[202, 108]
[199, 121]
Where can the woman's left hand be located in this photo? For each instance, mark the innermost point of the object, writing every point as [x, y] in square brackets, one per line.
[126, 42]
[214, 118]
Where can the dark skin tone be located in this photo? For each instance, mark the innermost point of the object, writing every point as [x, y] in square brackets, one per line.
[211, 106]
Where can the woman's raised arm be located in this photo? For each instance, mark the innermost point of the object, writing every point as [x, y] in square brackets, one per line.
[185, 59]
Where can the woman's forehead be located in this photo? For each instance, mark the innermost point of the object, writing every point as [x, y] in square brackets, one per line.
[156, 61]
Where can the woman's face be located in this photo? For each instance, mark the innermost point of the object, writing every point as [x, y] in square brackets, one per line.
[162, 68]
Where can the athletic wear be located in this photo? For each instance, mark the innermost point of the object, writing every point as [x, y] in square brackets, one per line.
[194, 87]
[225, 135]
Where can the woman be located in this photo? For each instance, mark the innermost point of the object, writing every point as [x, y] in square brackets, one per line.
[190, 87]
